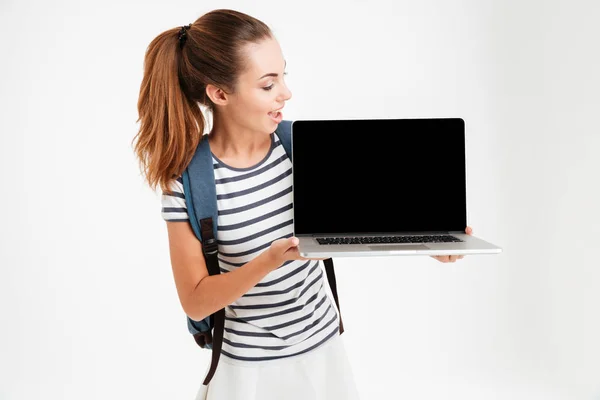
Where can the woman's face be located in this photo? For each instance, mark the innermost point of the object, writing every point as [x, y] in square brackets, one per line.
[261, 91]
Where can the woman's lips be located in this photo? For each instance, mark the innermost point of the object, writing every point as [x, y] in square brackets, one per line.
[276, 116]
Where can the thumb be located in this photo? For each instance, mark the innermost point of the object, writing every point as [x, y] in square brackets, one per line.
[294, 241]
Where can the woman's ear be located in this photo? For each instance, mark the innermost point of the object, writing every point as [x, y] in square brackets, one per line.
[216, 95]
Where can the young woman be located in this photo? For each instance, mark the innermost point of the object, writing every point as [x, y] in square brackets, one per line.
[281, 337]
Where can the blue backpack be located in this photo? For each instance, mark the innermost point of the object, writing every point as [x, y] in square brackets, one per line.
[201, 201]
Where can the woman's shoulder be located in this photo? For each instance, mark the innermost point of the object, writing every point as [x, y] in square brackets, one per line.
[173, 202]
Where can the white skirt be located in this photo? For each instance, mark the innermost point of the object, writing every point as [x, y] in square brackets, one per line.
[319, 374]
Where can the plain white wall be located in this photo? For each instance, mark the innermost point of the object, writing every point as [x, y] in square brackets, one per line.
[87, 300]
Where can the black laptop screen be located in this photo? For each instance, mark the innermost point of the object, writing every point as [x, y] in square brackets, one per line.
[379, 176]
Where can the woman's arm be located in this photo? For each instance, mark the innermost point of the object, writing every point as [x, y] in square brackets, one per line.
[199, 293]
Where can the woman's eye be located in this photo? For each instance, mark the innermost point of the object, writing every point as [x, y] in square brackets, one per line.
[271, 86]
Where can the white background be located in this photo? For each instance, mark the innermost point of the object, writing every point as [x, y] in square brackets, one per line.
[88, 306]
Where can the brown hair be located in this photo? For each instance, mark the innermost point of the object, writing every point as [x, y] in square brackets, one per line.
[174, 85]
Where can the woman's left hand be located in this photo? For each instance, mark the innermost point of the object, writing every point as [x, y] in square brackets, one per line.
[453, 258]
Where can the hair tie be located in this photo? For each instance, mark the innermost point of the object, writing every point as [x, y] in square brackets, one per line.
[182, 37]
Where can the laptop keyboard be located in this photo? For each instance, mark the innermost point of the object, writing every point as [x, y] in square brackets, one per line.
[389, 239]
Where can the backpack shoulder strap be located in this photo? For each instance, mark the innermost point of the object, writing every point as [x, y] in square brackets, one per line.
[333, 286]
[284, 132]
[199, 188]
[201, 202]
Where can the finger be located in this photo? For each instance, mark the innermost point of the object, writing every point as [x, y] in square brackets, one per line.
[294, 251]
[461, 257]
[469, 230]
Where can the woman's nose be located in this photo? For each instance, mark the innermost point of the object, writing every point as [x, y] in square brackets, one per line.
[287, 94]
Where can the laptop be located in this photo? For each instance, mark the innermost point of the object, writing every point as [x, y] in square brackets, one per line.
[381, 187]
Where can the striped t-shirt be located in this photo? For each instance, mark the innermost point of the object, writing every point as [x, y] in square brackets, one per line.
[288, 312]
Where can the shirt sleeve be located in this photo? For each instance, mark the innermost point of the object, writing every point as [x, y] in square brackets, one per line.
[173, 205]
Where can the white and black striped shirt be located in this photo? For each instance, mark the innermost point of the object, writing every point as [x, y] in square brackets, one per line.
[289, 311]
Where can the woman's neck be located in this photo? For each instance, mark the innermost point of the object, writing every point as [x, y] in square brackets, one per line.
[236, 145]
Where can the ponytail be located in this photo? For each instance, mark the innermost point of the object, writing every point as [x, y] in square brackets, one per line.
[171, 124]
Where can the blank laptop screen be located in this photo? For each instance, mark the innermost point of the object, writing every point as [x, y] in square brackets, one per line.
[379, 176]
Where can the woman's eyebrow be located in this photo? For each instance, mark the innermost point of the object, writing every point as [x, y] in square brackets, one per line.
[272, 73]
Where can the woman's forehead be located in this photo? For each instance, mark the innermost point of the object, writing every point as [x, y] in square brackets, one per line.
[263, 58]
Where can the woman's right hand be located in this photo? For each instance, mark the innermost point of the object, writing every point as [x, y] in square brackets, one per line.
[285, 249]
